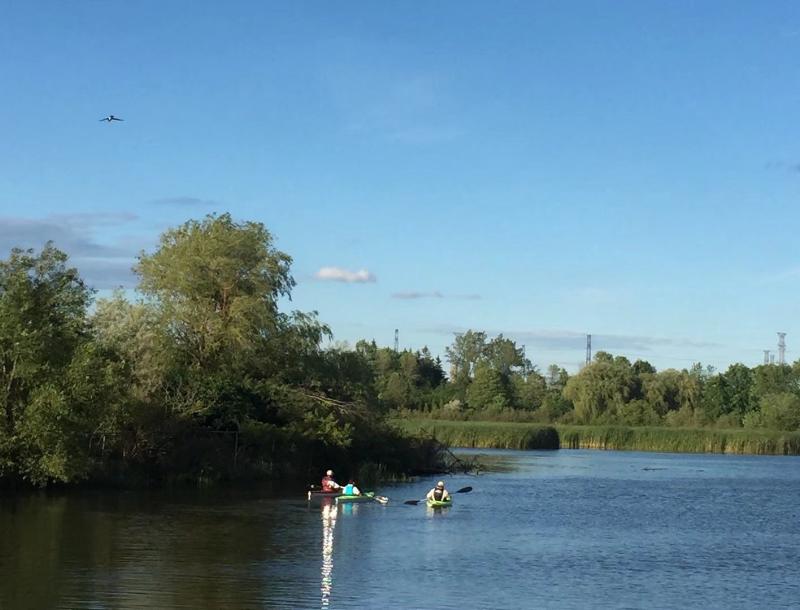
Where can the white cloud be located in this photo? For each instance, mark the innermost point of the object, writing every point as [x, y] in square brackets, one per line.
[337, 274]
[409, 296]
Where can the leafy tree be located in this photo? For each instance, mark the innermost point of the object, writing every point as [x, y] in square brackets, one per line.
[774, 379]
[662, 391]
[555, 407]
[467, 350]
[739, 382]
[529, 390]
[132, 331]
[557, 377]
[601, 388]
[643, 367]
[638, 413]
[503, 355]
[778, 412]
[216, 284]
[489, 390]
[43, 306]
[429, 369]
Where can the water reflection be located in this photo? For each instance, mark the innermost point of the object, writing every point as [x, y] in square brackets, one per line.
[437, 511]
[328, 525]
[349, 508]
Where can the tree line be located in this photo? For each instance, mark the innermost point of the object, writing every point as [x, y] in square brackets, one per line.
[201, 377]
[492, 379]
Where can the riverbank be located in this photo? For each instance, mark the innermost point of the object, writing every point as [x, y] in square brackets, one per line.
[503, 435]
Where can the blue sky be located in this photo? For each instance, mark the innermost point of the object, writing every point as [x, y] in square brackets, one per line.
[541, 169]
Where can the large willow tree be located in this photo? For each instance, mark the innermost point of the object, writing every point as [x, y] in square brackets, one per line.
[216, 284]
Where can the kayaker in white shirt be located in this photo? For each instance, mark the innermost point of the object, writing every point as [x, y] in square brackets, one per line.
[438, 493]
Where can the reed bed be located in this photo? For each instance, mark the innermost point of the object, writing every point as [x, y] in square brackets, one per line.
[507, 435]
[680, 440]
[485, 434]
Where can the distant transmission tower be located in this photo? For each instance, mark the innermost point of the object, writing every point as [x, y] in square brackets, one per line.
[766, 356]
[781, 348]
[588, 349]
[396, 340]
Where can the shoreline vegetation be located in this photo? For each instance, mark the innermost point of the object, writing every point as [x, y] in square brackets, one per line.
[199, 376]
[530, 436]
[196, 378]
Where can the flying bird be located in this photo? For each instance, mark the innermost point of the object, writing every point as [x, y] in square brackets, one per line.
[110, 118]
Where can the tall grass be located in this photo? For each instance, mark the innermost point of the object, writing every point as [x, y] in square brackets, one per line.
[680, 440]
[502, 435]
[485, 435]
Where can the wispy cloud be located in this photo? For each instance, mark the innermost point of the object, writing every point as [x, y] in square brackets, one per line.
[187, 202]
[426, 134]
[101, 264]
[783, 166]
[790, 273]
[408, 296]
[338, 274]
[410, 107]
[570, 340]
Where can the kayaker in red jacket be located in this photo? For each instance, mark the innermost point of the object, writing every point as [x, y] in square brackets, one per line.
[328, 484]
[438, 493]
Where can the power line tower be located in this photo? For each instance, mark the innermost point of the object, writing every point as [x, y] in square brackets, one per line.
[588, 349]
[396, 340]
[766, 356]
[781, 348]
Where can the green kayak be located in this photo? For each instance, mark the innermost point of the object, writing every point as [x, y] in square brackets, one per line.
[440, 503]
[363, 498]
[367, 497]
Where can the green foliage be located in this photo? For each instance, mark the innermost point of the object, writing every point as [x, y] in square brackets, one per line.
[489, 390]
[779, 411]
[501, 435]
[467, 349]
[204, 377]
[215, 284]
[42, 324]
[530, 391]
[601, 388]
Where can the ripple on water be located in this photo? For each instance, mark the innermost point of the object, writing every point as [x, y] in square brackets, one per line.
[558, 530]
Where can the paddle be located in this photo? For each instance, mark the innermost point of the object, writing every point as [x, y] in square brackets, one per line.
[315, 491]
[463, 490]
[371, 495]
[379, 499]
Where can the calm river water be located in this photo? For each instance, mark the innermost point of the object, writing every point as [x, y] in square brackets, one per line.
[565, 529]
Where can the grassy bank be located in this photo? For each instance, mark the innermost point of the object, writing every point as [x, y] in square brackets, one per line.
[502, 435]
[680, 440]
[483, 434]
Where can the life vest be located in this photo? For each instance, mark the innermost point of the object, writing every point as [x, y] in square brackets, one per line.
[348, 489]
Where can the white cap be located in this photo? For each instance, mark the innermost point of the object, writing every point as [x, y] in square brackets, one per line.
[440, 484]
[329, 473]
